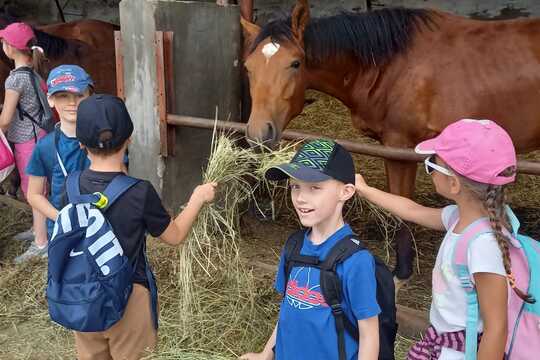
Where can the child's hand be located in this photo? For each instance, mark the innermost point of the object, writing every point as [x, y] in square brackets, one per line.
[256, 356]
[205, 193]
[360, 184]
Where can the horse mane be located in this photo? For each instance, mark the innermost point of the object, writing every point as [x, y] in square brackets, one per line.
[53, 46]
[373, 37]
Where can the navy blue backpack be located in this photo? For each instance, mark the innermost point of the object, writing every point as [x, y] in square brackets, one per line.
[90, 278]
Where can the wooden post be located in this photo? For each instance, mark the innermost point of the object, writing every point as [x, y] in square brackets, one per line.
[168, 62]
[119, 65]
[160, 94]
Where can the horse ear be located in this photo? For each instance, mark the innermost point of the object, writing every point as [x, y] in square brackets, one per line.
[299, 20]
[250, 31]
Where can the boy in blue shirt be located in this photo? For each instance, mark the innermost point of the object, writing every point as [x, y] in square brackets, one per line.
[59, 153]
[322, 178]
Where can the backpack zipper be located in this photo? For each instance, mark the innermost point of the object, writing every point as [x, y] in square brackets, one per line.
[515, 330]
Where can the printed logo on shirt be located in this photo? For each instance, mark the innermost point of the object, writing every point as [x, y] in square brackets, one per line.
[302, 293]
[62, 79]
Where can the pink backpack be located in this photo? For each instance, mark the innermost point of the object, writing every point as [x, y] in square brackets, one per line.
[523, 341]
[7, 161]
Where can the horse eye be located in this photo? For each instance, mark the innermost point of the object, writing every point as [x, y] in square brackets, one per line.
[295, 64]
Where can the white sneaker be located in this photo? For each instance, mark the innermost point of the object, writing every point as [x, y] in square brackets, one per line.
[32, 252]
[27, 235]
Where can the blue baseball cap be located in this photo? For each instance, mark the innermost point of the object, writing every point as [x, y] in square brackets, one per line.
[70, 78]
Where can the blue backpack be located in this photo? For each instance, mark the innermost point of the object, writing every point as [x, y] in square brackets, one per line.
[90, 278]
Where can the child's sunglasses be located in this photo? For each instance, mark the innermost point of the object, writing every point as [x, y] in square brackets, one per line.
[432, 166]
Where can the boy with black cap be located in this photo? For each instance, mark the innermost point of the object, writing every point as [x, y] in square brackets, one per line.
[104, 128]
[322, 178]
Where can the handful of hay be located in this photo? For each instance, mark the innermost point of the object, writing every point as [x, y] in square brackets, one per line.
[214, 301]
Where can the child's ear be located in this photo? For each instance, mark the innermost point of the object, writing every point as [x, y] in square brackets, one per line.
[455, 185]
[347, 192]
[50, 100]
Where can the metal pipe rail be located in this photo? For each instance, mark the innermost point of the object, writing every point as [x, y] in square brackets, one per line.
[386, 152]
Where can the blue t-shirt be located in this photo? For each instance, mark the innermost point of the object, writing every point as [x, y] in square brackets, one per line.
[306, 326]
[44, 162]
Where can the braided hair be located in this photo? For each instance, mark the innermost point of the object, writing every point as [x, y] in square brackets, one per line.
[494, 201]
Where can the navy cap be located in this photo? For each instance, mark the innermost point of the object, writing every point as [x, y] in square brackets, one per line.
[316, 161]
[70, 78]
[99, 113]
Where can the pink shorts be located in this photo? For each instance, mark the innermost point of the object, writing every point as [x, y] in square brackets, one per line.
[23, 153]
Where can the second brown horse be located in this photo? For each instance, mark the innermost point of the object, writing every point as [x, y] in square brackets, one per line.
[87, 43]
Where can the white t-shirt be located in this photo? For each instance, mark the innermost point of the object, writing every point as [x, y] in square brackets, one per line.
[448, 311]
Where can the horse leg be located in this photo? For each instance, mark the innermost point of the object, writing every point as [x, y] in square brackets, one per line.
[401, 177]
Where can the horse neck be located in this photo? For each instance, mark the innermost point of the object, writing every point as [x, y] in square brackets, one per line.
[348, 82]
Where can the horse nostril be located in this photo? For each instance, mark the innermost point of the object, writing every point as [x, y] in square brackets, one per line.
[271, 135]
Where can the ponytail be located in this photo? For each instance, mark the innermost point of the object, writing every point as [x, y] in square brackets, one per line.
[38, 57]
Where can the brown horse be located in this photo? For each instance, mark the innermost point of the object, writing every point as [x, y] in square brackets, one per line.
[404, 74]
[87, 43]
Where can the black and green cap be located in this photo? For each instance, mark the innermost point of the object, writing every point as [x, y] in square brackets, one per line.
[315, 161]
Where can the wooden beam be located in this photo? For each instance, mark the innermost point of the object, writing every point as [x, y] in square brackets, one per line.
[386, 152]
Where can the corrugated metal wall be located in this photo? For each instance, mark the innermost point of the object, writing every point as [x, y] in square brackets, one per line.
[45, 11]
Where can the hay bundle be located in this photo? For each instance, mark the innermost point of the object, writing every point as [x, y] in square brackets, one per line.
[215, 304]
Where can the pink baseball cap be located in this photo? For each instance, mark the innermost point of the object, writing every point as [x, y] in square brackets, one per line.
[477, 149]
[17, 35]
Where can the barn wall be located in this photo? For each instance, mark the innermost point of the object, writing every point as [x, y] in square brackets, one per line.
[45, 11]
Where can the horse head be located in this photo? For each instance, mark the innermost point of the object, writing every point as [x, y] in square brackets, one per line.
[276, 66]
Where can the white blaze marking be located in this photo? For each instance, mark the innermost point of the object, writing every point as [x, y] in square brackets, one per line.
[270, 50]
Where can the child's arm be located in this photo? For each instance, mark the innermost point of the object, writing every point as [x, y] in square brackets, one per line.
[492, 297]
[368, 336]
[267, 353]
[11, 98]
[400, 206]
[178, 230]
[36, 187]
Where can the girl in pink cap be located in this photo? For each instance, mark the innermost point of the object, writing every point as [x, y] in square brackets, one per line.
[22, 110]
[470, 163]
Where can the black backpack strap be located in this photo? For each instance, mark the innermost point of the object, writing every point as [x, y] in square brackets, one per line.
[332, 290]
[292, 250]
[23, 113]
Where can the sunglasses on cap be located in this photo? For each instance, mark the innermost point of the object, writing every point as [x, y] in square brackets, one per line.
[432, 166]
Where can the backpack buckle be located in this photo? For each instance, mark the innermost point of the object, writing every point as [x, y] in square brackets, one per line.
[102, 202]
